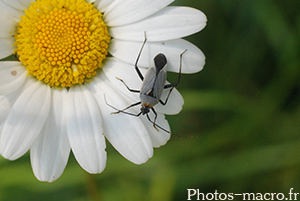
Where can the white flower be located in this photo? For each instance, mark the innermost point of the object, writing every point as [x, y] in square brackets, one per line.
[51, 101]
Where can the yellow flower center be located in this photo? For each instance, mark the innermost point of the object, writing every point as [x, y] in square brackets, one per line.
[62, 42]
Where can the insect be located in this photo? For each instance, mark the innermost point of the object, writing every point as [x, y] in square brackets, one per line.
[152, 87]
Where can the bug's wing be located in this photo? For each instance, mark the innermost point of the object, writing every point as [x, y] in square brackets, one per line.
[148, 82]
[160, 83]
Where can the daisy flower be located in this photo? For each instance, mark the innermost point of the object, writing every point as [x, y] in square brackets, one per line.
[69, 53]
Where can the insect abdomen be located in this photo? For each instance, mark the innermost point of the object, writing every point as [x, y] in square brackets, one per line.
[148, 100]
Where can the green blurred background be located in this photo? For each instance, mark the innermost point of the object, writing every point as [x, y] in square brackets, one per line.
[242, 109]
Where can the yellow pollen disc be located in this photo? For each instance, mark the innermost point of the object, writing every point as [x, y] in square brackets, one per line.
[62, 42]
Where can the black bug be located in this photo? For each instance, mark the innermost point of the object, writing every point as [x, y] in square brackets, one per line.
[152, 87]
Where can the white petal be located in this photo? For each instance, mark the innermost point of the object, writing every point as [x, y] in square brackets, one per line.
[193, 59]
[11, 10]
[6, 103]
[174, 103]
[8, 25]
[5, 107]
[50, 152]
[25, 121]
[85, 130]
[126, 133]
[26, 2]
[159, 137]
[167, 24]
[12, 76]
[18, 4]
[6, 46]
[102, 5]
[122, 12]
[115, 68]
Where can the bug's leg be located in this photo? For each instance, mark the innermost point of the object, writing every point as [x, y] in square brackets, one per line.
[137, 59]
[172, 85]
[154, 122]
[164, 103]
[156, 125]
[136, 115]
[131, 90]
[123, 111]
[132, 105]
